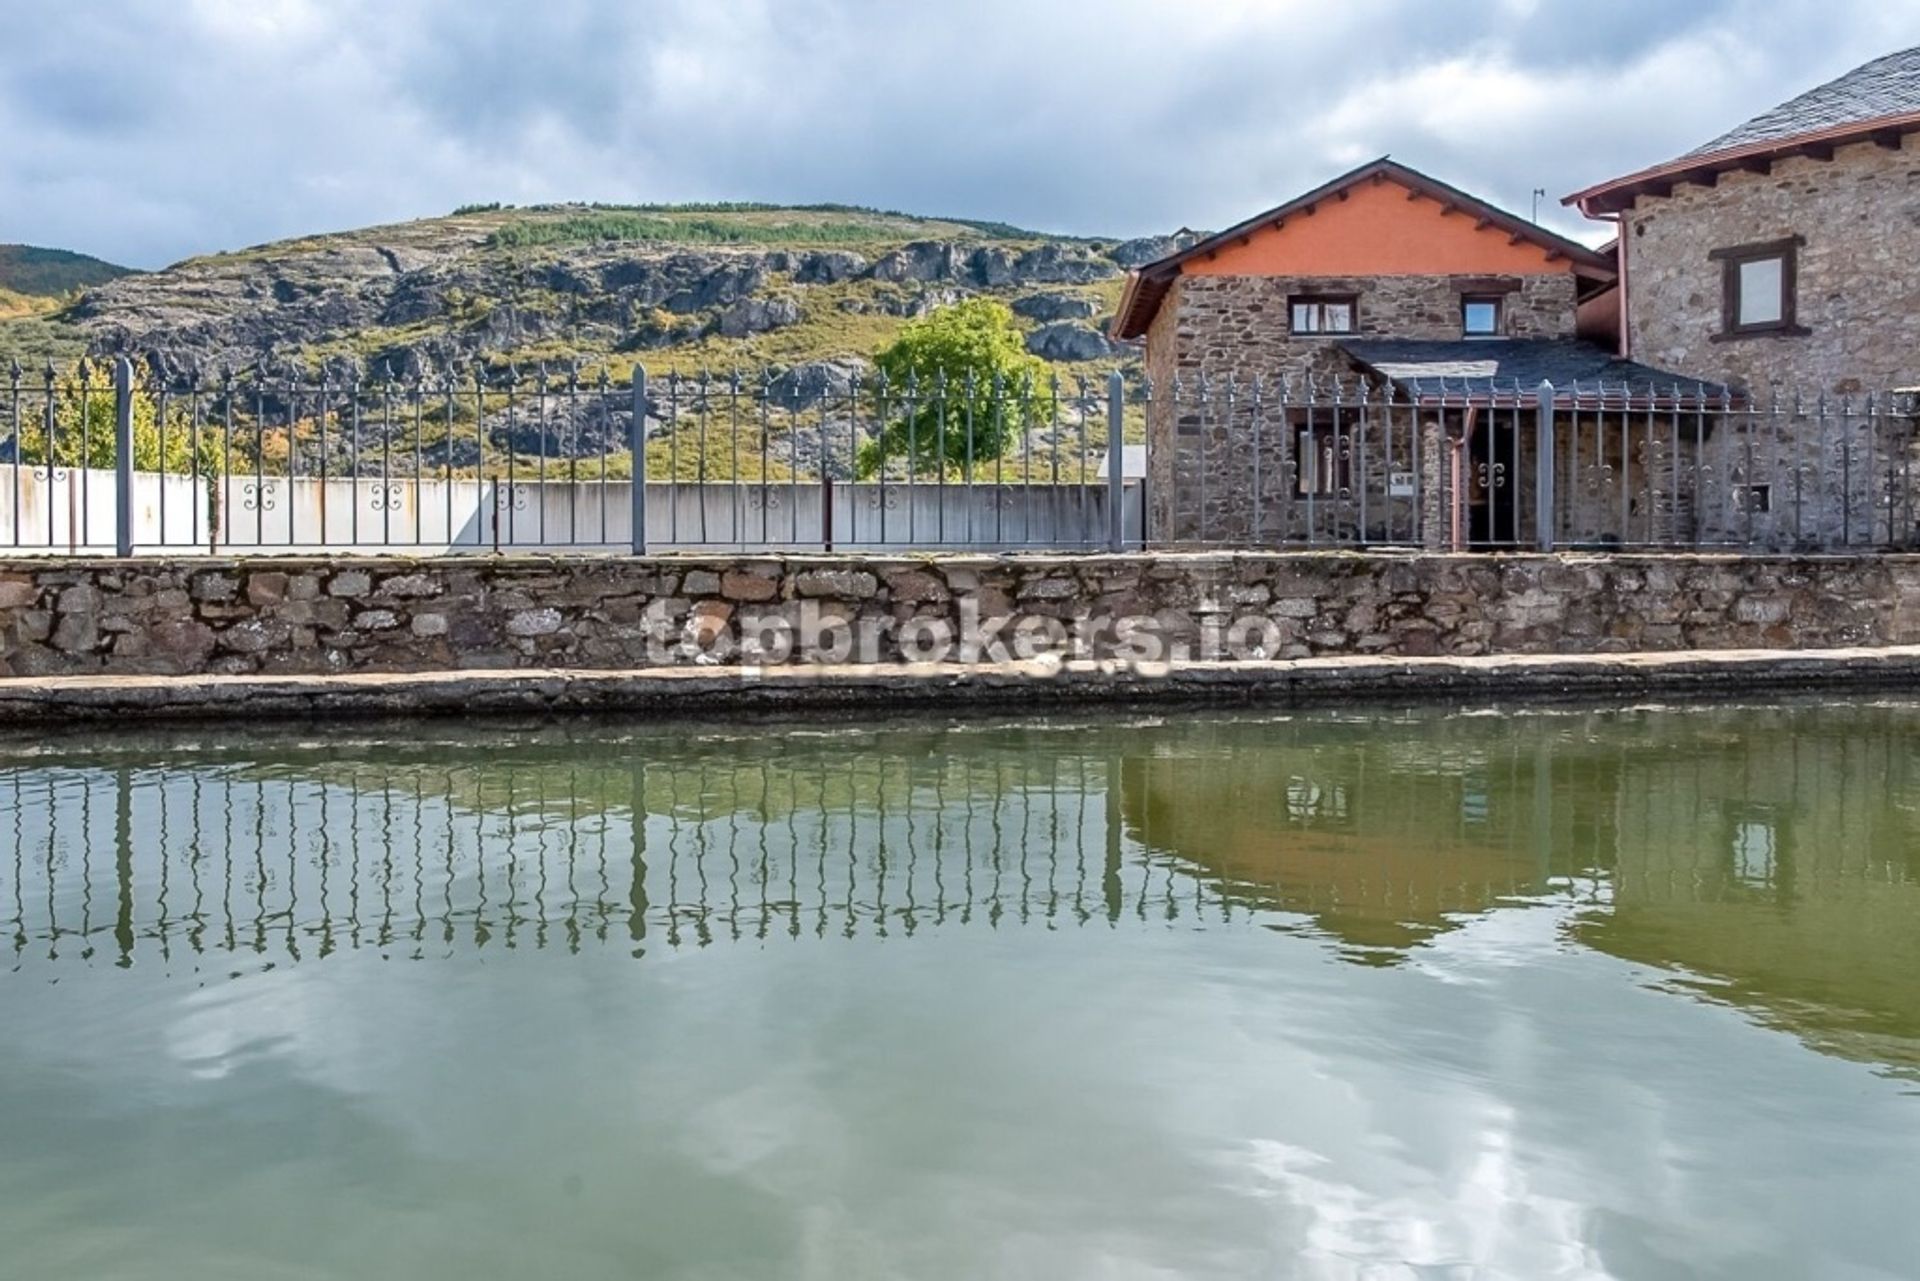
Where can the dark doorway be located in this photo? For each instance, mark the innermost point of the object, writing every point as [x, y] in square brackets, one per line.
[1493, 487]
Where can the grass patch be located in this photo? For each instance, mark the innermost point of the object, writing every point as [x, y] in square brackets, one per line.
[600, 228]
[991, 229]
[35, 339]
[14, 306]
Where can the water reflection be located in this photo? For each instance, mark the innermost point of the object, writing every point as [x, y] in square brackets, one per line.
[1767, 858]
[1764, 858]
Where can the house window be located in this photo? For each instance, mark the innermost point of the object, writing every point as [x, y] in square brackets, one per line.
[1476, 806]
[1480, 315]
[1321, 314]
[1759, 845]
[1323, 457]
[1758, 288]
[1308, 801]
[1759, 291]
[1756, 852]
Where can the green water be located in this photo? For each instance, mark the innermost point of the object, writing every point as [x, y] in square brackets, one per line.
[1533, 995]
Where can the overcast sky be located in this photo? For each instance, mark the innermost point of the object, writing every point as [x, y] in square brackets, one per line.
[149, 130]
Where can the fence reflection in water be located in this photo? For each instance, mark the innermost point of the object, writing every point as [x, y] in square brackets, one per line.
[300, 855]
[1772, 853]
[145, 863]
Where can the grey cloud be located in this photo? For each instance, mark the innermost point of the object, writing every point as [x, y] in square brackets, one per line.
[146, 130]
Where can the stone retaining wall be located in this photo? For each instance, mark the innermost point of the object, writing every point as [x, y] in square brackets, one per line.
[283, 615]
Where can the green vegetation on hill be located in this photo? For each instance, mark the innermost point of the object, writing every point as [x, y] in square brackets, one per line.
[611, 227]
[49, 273]
[678, 288]
[13, 305]
[31, 332]
[989, 228]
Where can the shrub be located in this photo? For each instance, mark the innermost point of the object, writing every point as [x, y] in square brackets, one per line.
[961, 386]
[84, 430]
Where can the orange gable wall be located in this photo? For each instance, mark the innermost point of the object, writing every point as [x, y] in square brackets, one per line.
[1377, 231]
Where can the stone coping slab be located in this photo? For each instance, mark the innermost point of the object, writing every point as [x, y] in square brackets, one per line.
[1038, 685]
[1189, 554]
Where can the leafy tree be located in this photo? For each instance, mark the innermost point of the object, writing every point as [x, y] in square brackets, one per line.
[84, 436]
[960, 388]
[84, 430]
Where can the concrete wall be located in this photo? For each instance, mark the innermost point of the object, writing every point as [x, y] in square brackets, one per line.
[1859, 275]
[387, 614]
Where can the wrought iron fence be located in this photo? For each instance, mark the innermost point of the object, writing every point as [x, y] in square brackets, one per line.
[117, 458]
[1471, 465]
[121, 459]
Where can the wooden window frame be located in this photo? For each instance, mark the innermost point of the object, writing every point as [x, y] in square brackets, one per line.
[1498, 301]
[1731, 260]
[1350, 301]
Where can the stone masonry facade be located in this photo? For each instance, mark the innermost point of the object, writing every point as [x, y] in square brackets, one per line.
[1239, 325]
[1815, 462]
[298, 616]
[1858, 287]
[1212, 329]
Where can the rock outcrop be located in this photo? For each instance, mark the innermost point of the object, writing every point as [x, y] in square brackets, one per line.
[427, 300]
[1068, 342]
[1050, 307]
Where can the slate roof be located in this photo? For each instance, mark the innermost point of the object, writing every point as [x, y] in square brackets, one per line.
[1879, 101]
[1888, 86]
[1511, 369]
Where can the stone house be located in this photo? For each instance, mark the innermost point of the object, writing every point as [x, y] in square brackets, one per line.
[1783, 259]
[1786, 252]
[1364, 364]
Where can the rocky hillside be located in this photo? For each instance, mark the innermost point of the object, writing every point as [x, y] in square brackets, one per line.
[679, 288]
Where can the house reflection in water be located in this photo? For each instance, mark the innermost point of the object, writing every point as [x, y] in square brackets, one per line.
[1780, 871]
[1768, 858]
[1382, 838]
